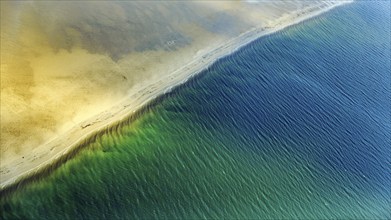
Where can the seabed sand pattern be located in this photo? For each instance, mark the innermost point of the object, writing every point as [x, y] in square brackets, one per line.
[61, 66]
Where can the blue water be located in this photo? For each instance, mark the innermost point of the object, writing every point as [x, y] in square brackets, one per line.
[294, 125]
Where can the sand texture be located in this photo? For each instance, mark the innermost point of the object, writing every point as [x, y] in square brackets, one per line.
[70, 69]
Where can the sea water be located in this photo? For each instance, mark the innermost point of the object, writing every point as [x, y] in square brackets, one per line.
[294, 125]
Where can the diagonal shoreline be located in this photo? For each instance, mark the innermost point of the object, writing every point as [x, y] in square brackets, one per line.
[64, 147]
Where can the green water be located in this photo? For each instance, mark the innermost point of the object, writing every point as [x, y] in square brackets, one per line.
[151, 169]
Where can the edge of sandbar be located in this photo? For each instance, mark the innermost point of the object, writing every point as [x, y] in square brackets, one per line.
[64, 147]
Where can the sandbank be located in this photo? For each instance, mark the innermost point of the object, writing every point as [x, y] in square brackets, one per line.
[58, 145]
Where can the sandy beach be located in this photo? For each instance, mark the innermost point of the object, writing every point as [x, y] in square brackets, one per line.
[72, 133]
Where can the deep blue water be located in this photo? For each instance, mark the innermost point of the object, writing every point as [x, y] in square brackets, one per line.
[294, 125]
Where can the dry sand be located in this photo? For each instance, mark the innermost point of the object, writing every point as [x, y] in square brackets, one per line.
[65, 75]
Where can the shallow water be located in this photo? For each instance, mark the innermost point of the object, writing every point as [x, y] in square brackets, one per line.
[295, 125]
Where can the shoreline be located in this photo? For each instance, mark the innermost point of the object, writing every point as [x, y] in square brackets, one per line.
[65, 146]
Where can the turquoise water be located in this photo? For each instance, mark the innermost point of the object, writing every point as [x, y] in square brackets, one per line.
[295, 125]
